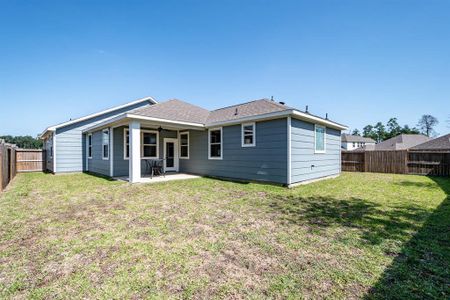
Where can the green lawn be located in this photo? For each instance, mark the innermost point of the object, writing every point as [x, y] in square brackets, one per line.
[357, 236]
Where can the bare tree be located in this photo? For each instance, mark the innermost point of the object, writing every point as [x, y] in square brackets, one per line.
[427, 123]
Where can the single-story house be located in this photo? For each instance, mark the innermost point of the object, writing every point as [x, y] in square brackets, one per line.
[261, 140]
[438, 144]
[399, 142]
[351, 142]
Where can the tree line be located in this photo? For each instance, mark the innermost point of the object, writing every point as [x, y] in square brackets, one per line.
[381, 132]
[24, 142]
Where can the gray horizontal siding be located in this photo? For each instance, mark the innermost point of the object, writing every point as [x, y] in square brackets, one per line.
[121, 165]
[307, 165]
[97, 164]
[70, 145]
[267, 161]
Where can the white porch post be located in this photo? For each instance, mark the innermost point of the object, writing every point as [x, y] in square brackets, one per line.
[135, 152]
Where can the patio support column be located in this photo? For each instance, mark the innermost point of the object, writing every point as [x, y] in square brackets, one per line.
[135, 152]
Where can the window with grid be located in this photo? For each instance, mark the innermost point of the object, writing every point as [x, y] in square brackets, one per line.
[320, 139]
[248, 135]
[184, 145]
[105, 144]
[215, 143]
[149, 144]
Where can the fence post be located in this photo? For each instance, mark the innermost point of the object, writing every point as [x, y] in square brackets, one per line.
[365, 161]
[406, 161]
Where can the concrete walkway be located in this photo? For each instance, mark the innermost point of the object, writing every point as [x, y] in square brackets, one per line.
[168, 177]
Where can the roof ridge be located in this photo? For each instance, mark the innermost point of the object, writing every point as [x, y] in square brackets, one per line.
[173, 99]
[229, 106]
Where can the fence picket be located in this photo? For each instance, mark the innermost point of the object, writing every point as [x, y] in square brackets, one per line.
[398, 162]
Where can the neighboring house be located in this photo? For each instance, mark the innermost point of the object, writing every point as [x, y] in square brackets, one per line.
[261, 140]
[352, 142]
[438, 144]
[399, 142]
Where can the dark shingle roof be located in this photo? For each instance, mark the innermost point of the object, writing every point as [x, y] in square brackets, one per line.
[178, 110]
[248, 109]
[356, 138]
[174, 109]
[440, 143]
[400, 142]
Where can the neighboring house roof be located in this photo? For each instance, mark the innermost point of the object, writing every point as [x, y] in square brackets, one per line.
[54, 127]
[174, 109]
[355, 139]
[399, 142]
[439, 144]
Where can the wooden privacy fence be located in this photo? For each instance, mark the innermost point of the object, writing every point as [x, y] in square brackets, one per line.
[397, 162]
[7, 164]
[14, 160]
[30, 160]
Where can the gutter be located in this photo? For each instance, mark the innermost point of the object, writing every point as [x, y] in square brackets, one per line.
[269, 116]
[285, 113]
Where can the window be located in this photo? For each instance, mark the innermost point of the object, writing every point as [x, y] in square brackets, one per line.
[105, 144]
[126, 144]
[149, 144]
[354, 144]
[319, 139]
[215, 143]
[248, 135]
[149, 141]
[184, 145]
[89, 138]
[50, 148]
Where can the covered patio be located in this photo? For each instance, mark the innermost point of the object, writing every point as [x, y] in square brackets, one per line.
[168, 177]
[130, 142]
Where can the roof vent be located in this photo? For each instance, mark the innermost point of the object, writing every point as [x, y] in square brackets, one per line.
[271, 98]
[326, 116]
[236, 112]
[306, 111]
[281, 102]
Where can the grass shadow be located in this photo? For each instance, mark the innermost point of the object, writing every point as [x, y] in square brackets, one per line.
[375, 223]
[422, 269]
[107, 178]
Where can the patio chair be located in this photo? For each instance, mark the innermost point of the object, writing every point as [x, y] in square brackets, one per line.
[158, 168]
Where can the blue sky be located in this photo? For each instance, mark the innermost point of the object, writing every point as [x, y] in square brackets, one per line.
[359, 61]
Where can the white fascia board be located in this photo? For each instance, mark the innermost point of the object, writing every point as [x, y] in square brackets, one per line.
[53, 128]
[123, 116]
[139, 117]
[279, 114]
[43, 135]
[316, 120]
[105, 123]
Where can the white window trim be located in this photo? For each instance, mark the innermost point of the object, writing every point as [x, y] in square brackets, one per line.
[188, 144]
[253, 124]
[125, 130]
[103, 145]
[89, 146]
[142, 143]
[324, 139]
[221, 143]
